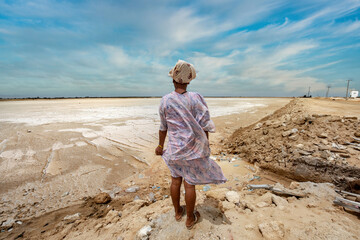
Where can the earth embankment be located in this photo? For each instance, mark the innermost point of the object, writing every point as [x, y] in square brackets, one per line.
[298, 142]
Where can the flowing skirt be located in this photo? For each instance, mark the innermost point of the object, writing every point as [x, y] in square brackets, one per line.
[198, 171]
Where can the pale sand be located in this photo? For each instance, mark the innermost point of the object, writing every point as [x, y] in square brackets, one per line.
[55, 152]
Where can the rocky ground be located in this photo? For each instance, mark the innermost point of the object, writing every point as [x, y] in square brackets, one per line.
[303, 145]
[323, 148]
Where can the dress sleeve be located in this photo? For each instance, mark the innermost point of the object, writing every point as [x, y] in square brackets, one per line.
[202, 115]
[163, 124]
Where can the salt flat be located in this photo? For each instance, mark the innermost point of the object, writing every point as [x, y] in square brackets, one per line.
[55, 152]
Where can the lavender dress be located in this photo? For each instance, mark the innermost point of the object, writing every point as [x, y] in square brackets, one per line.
[185, 117]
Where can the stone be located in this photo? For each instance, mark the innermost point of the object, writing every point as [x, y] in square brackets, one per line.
[262, 204]
[344, 155]
[268, 159]
[324, 141]
[267, 198]
[279, 201]
[132, 189]
[322, 135]
[249, 227]
[8, 223]
[152, 197]
[304, 153]
[258, 126]
[294, 137]
[294, 185]
[225, 205]
[102, 198]
[218, 194]
[272, 230]
[72, 218]
[144, 232]
[265, 131]
[357, 134]
[300, 146]
[65, 194]
[233, 197]
[325, 154]
[300, 121]
[289, 132]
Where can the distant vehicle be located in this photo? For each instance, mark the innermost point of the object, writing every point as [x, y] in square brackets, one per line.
[354, 94]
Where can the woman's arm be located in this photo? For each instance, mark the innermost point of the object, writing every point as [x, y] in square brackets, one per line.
[160, 147]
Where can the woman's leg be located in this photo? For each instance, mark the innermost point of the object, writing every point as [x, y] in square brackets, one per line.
[175, 194]
[190, 199]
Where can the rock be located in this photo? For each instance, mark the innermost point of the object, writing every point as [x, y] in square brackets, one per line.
[233, 197]
[262, 204]
[357, 134]
[8, 223]
[65, 194]
[300, 146]
[344, 155]
[102, 198]
[144, 232]
[268, 159]
[300, 121]
[325, 154]
[249, 227]
[324, 141]
[289, 132]
[132, 189]
[267, 198]
[272, 230]
[248, 210]
[322, 135]
[338, 150]
[265, 131]
[152, 197]
[225, 205]
[218, 194]
[279, 201]
[304, 153]
[258, 126]
[294, 137]
[72, 218]
[350, 117]
[294, 185]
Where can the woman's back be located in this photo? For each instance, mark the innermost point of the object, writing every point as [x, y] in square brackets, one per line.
[186, 118]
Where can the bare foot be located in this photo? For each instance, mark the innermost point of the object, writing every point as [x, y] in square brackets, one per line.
[180, 213]
[192, 220]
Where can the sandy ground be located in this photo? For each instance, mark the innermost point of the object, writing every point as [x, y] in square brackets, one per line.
[249, 215]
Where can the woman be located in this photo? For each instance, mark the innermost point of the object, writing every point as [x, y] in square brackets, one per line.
[186, 120]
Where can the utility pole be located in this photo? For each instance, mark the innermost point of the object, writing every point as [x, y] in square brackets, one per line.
[309, 92]
[327, 93]
[347, 89]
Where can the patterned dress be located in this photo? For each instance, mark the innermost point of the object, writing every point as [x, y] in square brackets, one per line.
[186, 117]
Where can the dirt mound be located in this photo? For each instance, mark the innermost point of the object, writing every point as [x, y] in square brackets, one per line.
[303, 146]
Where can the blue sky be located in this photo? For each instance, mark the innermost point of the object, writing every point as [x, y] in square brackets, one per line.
[94, 48]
